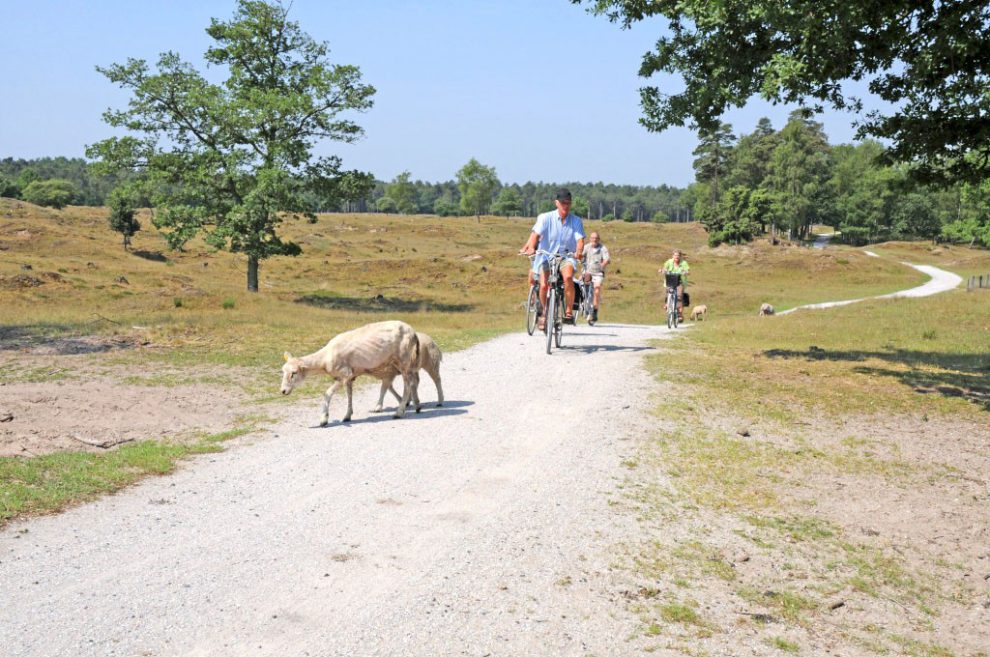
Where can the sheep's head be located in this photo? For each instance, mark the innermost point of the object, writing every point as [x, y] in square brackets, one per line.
[292, 373]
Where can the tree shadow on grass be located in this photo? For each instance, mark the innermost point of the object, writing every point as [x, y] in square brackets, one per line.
[156, 256]
[382, 304]
[951, 375]
[57, 339]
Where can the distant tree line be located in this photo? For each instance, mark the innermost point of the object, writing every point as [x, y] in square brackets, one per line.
[55, 181]
[79, 185]
[782, 182]
[477, 190]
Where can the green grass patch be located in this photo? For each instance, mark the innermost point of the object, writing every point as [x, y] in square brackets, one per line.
[783, 644]
[44, 484]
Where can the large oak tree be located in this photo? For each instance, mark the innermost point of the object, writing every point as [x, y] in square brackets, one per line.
[229, 159]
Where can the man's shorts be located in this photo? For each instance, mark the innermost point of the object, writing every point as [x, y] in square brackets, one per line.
[539, 263]
[597, 279]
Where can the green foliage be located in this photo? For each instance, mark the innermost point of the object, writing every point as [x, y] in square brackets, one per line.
[227, 160]
[387, 205]
[123, 204]
[972, 224]
[477, 184]
[799, 171]
[712, 157]
[91, 188]
[508, 203]
[403, 195]
[9, 188]
[446, 206]
[55, 193]
[928, 62]
[228, 303]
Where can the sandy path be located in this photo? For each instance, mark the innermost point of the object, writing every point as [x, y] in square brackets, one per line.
[482, 528]
[941, 281]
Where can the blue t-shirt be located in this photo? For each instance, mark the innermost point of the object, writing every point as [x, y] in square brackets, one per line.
[558, 236]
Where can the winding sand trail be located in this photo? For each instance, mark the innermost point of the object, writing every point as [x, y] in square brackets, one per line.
[940, 281]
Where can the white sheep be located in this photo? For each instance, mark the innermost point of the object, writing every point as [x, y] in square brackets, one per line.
[766, 309]
[380, 350]
[699, 312]
[429, 360]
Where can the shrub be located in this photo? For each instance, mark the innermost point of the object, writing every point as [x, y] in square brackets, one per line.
[55, 193]
[177, 301]
[228, 303]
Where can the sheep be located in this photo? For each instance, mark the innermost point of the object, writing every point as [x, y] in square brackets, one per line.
[429, 360]
[766, 309]
[699, 312]
[381, 350]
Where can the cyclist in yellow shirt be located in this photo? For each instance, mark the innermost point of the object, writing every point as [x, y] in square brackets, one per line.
[677, 265]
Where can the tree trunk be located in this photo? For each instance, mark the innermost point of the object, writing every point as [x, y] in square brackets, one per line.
[252, 274]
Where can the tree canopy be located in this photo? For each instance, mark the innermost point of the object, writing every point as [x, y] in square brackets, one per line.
[927, 61]
[226, 159]
[477, 184]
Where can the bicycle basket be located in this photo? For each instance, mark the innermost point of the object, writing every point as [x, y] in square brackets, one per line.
[672, 280]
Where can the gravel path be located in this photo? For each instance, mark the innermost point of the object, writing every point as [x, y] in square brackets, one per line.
[482, 528]
[941, 281]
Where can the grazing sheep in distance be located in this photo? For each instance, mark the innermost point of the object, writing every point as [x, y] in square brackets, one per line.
[766, 309]
[380, 350]
[699, 312]
[429, 360]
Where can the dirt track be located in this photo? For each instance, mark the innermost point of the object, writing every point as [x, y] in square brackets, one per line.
[479, 528]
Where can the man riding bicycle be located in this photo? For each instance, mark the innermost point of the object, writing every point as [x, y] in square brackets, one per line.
[677, 265]
[558, 231]
[595, 257]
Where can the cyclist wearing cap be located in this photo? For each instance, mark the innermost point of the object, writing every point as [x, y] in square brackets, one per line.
[558, 231]
[677, 265]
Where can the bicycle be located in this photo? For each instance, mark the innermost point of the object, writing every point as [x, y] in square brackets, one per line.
[587, 291]
[672, 281]
[554, 319]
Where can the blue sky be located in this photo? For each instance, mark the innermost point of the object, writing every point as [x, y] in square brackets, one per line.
[538, 89]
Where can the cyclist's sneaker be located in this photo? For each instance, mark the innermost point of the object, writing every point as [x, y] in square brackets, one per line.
[594, 315]
[568, 319]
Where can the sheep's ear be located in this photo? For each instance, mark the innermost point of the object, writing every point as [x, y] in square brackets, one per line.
[287, 356]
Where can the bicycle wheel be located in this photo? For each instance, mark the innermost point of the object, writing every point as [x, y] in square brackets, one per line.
[532, 308]
[558, 330]
[551, 318]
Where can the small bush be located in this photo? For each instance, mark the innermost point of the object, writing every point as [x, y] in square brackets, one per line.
[929, 335]
[177, 301]
[228, 303]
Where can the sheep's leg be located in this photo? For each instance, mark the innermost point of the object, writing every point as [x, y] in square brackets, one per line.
[386, 385]
[327, 396]
[410, 379]
[436, 380]
[350, 399]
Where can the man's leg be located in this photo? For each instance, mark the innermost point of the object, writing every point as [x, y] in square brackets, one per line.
[680, 302]
[567, 271]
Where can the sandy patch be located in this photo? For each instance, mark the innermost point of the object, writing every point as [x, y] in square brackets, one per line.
[94, 415]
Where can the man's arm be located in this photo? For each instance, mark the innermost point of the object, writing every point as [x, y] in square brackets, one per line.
[529, 248]
[605, 257]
